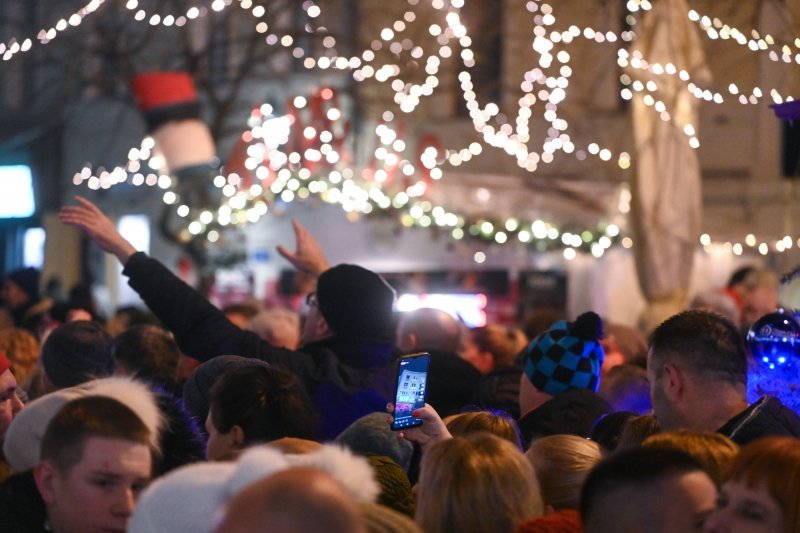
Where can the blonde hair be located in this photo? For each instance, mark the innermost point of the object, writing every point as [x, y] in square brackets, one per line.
[714, 451]
[479, 483]
[22, 349]
[464, 424]
[562, 463]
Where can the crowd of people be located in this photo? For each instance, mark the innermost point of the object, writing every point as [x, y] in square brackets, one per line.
[191, 418]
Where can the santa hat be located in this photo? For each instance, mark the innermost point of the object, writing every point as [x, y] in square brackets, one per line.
[23, 439]
[204, 488]
[170, 106]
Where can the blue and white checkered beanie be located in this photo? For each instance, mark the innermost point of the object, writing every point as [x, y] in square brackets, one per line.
[567, 356]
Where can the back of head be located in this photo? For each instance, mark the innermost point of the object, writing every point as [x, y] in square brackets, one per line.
[636, 430]
[474, 484]
[356, 302]
[89, 416]
[714, 451]
[200, 381]
[773, 462]
[22, 349]
[629, 490]
[498, 424]
[147, 351]
[279, 327]
[625, 388]
[76, 352]
[27, 279]
[266, 402]
[502, 342]
[433, 329]
[705, 343]
[561, 463]
[370, 435]
[299, 499]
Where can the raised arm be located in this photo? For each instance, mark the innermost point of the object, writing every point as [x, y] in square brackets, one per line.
[98, 227]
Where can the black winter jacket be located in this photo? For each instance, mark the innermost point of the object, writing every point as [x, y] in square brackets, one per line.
[764, 418]
[346, 377]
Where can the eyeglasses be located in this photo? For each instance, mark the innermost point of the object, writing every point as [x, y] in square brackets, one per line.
[311, 299]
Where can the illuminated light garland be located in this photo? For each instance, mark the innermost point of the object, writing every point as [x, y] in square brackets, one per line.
[716, 29]
[750, 244]
[13, 46]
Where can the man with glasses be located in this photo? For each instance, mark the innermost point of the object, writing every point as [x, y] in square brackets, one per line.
[347, 345]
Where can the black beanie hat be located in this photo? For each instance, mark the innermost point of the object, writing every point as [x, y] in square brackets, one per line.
[26, 279]
[356, 302]
[76, 352]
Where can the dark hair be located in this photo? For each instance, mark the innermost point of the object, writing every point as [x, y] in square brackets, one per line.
[90, 416]
[77, 352]
[148, 351]
[626, 388]
[705, 342]
[136, 316]
[607, 430]
[636, 430]
[739, 275]
[634, 467]
[266, 402]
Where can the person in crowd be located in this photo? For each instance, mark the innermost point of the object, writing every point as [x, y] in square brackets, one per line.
[646, 489]
[607, 430]
[761, 490]
[240, 313]
[476, 484]
[278, 327]
[22, 349]
[347, 359]
[636, 430]
[192, 499]
[714, 451]
[754, 290]
[697, 368]
[10, 406]
[623, 345]
[20, 292]
[451, 379]
[251, 405]
[95, 458]
[76, 352]
[80, 351]
[499, 424]
[561, 375]
[625, 388]
[300, 499]
[149, 353]
[128, 316]
[561, 463]
[492, 350]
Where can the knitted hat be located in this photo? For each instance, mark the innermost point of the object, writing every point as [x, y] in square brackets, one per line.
[76, 352]
[372, 435]
[26, 279]
[356, 302]
[23, 439]
[396, 491]
[5, 364]
[195, 390]
[566, 356]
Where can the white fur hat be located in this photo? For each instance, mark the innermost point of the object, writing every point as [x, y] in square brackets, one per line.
[23, 440]
[190, 499]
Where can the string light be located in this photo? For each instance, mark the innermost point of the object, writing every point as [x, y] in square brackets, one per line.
[750, 244]
[13, 46]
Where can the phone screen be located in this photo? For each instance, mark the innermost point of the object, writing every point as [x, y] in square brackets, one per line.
[412, 387]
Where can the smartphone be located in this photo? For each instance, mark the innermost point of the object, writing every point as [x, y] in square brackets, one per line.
[412, 388]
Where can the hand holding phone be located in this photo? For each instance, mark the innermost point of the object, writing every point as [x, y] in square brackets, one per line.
[411, 390]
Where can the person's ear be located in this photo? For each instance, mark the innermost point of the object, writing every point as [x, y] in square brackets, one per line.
[44, 475]
[236, 435]
[674, 382]
[321, 327]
